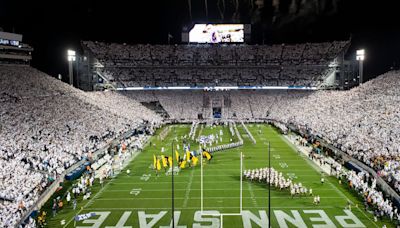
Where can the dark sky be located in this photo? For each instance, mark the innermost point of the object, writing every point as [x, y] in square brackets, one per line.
[53, 27]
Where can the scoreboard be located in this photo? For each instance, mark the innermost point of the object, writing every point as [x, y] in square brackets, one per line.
[217, 33]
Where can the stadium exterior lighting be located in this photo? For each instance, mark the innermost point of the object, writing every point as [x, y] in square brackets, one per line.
[71, 55]
[360, 56]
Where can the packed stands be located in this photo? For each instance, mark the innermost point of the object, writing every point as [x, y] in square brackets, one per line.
[46, 126]
[211, 65]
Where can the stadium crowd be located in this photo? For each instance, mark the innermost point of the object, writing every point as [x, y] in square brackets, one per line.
[373, 198]
[113, 54]
[47, 126]
[281, 76]
[199, 65]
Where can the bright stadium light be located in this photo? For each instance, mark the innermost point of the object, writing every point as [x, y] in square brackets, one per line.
[360, 56]
[71, 56]
[71, 52]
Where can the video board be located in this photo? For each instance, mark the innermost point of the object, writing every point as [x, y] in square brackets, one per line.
[217, 33]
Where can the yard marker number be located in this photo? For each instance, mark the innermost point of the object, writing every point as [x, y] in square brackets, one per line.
[135, 191]
[145, 177]
[283, 165]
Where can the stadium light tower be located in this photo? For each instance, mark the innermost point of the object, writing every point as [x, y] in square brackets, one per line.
[71, 58]
[360, 58]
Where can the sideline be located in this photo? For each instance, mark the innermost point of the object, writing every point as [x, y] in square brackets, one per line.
[91, 201]
[318, 168]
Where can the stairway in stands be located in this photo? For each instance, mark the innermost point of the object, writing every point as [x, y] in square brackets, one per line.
[157, 108]
[251, 110]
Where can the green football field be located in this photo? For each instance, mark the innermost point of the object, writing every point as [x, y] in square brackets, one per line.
[143, 199]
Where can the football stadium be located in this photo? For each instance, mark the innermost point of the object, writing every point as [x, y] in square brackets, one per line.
[206, 114]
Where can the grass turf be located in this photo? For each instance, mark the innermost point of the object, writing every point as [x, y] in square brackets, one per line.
[221, 186]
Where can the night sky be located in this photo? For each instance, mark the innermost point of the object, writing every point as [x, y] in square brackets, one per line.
[52, 28]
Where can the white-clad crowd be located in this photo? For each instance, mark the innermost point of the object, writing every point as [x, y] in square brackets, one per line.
[372, 197]
[210, 65]
[267, 76]
[46, 126]
[114, 54]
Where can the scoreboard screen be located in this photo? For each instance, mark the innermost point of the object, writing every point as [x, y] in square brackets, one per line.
[217, 33]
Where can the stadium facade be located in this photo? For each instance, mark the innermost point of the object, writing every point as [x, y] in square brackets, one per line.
[13, 51]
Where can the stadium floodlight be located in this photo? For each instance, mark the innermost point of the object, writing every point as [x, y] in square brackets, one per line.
[71, 56]
[360, 56]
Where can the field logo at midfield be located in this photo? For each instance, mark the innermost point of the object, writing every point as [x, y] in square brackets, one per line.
[292, 218]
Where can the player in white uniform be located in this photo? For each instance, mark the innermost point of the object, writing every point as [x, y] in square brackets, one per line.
[292, 192]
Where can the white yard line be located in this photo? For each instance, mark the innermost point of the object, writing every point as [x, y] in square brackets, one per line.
[201, 129]
[183, 182]
[198, 189]
[297, 164]
[250, 188]
[169, 182]
[183, 176]
[213, 197]
[188, 188]
[283, 160]
[196, 208]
